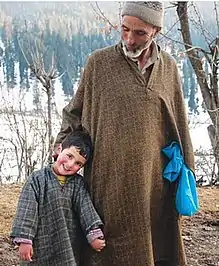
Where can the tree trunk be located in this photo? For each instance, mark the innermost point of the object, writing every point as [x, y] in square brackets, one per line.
[213, 135]
[49, 110]
[209, 91]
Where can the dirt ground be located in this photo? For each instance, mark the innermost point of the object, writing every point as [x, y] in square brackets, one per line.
[200, 232]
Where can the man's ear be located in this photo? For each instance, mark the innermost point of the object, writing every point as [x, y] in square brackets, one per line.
[59, 149]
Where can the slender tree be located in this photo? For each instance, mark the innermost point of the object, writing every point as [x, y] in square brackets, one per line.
[208, 82]
[46, 75]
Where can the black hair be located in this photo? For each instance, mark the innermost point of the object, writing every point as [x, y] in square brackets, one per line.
[81, 140]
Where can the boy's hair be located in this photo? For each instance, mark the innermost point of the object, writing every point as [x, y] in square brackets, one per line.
[80, 140]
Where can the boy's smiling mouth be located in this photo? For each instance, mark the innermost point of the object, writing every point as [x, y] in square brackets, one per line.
[66, 169]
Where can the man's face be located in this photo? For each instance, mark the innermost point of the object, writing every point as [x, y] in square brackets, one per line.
[69, 161]
[136, 34]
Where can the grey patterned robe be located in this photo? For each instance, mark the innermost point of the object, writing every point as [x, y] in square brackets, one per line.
[48, 213]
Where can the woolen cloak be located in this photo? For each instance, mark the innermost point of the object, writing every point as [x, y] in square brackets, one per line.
[130, 119]
[49, 215]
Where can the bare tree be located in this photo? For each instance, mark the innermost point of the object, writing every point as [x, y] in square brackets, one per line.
[1, 162]
[22, 138]
[208, 82]
[35, 60]
[205, 165]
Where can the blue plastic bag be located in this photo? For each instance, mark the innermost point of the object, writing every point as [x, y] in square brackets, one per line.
[186, 196]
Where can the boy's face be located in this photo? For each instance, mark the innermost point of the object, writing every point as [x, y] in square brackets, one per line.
[69, 161]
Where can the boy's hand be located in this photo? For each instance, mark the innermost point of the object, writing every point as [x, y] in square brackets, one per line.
[26, 252]
[98, 244]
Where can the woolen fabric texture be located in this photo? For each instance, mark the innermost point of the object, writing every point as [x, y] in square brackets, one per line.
[149, 12]
[130, 120]
[49, 215]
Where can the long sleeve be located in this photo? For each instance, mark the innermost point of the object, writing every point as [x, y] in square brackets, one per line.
[26, 218]
[84, 208]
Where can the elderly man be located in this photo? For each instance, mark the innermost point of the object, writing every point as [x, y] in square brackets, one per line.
[130, 100]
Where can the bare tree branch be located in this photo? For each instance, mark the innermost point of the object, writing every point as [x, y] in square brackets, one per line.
[216, 15]
[100, 13]
[200, 24]
[209, 90]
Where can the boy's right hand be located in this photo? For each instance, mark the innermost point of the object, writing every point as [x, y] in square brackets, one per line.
[98, 244]
[26, 252]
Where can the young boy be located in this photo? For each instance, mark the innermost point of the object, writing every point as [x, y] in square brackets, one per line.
[51, 203]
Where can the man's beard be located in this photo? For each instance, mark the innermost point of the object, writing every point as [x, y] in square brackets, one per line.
[138, 51]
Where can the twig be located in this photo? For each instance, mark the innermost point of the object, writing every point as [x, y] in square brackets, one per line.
[170, 29]
[200, 23]
[217, 19]
[100, 13]
[23, 52]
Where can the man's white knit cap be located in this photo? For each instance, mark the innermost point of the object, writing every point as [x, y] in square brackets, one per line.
[149, 12]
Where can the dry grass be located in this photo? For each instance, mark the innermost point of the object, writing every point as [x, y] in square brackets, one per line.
[8, 202]
[208, 197]
[200, 232]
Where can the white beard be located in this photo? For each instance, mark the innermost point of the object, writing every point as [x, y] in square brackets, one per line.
[138, 52]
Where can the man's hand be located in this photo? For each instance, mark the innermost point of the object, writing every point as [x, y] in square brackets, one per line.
[98, 244]
[26, 252]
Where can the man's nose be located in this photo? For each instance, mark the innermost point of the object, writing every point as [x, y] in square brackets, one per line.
[130, 38]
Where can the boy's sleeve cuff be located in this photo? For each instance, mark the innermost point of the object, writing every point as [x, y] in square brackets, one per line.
[19, 240]
[94, 234]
